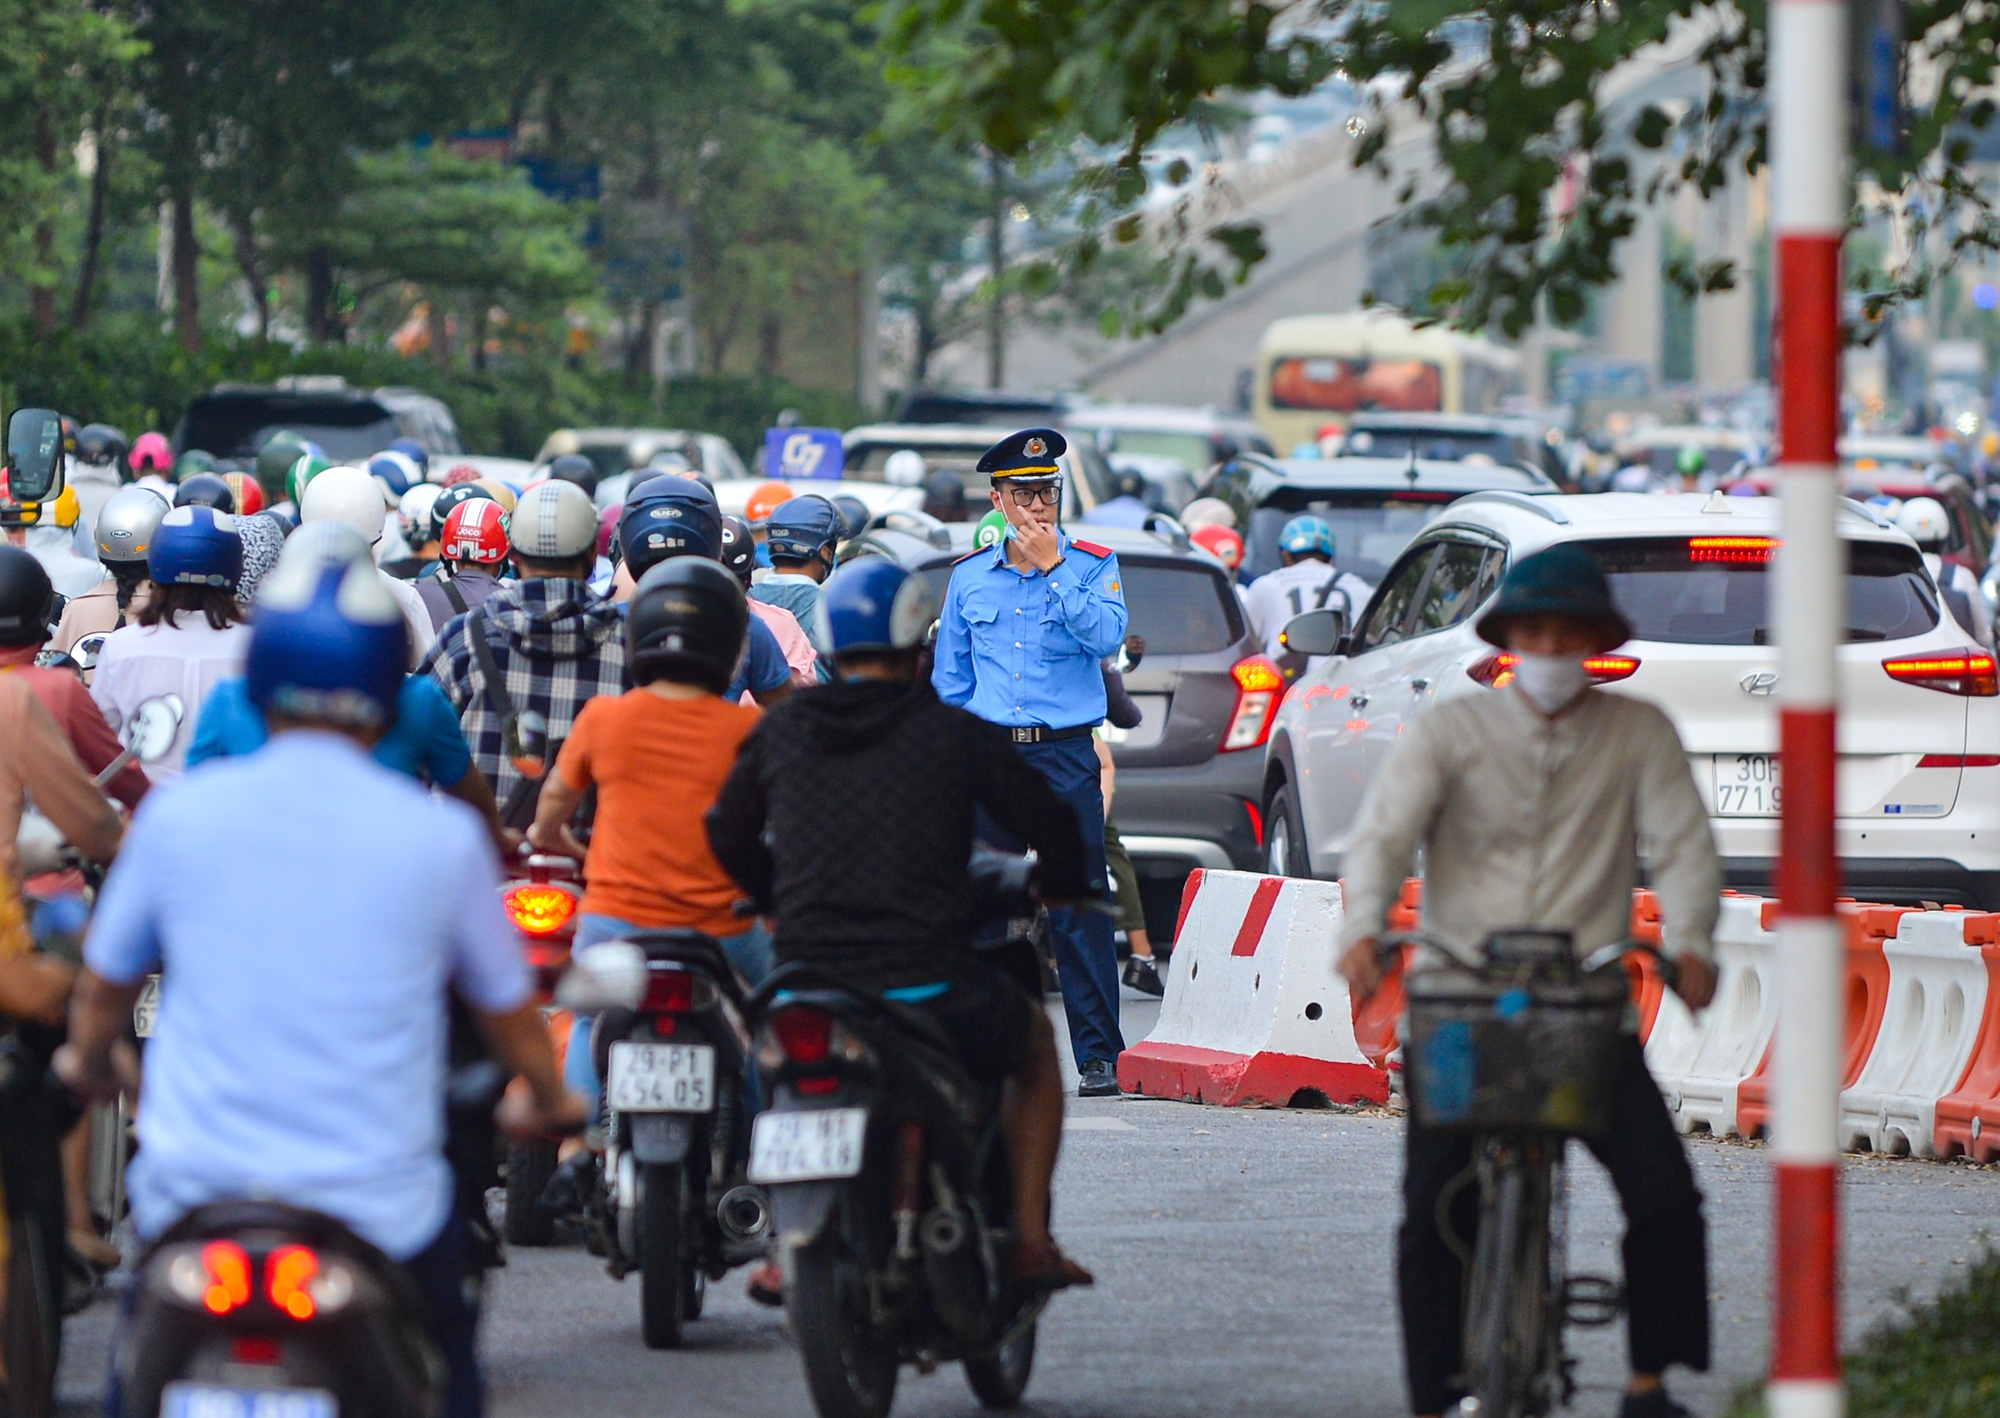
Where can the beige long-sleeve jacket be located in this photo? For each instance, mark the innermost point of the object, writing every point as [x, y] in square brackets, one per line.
[1537, 822]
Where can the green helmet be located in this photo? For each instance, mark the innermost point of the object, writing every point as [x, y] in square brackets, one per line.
[191, 462]
[1690, 460]
[274, 462]
[992, 530]
[308, 467]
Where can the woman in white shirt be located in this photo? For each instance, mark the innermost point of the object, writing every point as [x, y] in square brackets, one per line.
[189, 637]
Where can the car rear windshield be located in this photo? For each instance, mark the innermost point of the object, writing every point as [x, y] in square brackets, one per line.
[237, 428]
[1443, 445]
[1369, 531]
[1182, 608]
[1715, 590]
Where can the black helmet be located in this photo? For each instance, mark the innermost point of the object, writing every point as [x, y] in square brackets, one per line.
[854, 513]
[688, 618]
[100, 443]
[739, 548]
[205, 490]
[575, 468]
[27, 598]
[450, 498]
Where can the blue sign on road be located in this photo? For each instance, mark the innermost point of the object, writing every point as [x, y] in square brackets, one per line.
[793, 453]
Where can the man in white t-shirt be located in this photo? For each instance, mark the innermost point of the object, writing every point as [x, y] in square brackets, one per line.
[1308, 581]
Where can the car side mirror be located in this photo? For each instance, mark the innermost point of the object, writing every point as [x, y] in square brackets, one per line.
[1317, 632]
[34, 455]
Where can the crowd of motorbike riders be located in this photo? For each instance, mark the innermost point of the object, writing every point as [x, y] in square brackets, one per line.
[736, 735]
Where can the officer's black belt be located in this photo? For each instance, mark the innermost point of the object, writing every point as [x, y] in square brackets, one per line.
[1041, 733]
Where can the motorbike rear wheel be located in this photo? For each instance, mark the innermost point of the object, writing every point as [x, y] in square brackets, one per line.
[1000, 1378]
[663, 1261]
[529, 1167]
[851, 1372]
[33, 1331]
[1507, 1310]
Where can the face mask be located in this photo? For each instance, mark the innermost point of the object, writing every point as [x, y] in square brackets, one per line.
[1551, 681]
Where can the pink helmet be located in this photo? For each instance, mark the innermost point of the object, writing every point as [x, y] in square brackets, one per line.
[151, 454]
[607, 527]
[1221, 543]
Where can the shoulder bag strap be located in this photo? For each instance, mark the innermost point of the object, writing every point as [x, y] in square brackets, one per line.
[449, 586]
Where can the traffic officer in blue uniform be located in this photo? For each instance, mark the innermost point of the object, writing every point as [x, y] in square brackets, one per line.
[1025, 626]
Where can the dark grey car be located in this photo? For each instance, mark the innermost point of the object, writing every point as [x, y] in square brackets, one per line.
[1190, 777]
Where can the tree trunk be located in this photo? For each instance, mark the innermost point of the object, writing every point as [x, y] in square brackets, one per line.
[440, 327]
[996, 265]
[927, 343]
[187, 269]
[320, 323]
[639, 345]
[482, 308]
[243, 227]
[42, 295]
[770, 345]
[93, 230]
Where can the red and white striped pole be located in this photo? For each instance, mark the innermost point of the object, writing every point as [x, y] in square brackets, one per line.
[1808, 119]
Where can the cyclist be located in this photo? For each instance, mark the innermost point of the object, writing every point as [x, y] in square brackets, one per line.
[473, 550]
[1529, 806]
[801, 538]
[1307, 581]
[123, 533]
[300, 1048]
[850, 816]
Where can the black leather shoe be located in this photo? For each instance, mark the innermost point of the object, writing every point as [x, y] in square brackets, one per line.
[1097, 1079]
[1144, 976]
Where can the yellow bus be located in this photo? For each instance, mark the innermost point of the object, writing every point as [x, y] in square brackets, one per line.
[1317, 369]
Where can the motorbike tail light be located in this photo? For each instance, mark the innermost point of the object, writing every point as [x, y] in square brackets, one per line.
[288, 1275]
[1258, 687]
[825, 1083]
[1496, 671]
[673, 990]
[217, 1277]
[538, 908]
[254, 1349]
[806, 1035]
[1968, 672]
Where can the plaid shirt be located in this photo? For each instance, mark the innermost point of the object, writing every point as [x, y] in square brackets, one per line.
[558, 645]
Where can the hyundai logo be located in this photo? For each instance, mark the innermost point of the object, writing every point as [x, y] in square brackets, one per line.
[1760, 682]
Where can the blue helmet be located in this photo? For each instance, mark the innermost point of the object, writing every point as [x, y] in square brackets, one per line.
[328, 642]
[414, 451]
[873, 604]
[392, 469]
[802, 528]
[196, 546]
[668, 516]
[1307, 534]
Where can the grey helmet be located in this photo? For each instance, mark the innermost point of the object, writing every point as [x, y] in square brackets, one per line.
[126, 523]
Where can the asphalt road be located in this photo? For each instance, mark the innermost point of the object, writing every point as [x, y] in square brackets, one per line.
[1244, 1264]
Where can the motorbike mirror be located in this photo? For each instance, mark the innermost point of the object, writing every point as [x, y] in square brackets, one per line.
[34, 455]
[156, 723]
[527, 735]
[1314, 633]
[84, 652]
[608, 975]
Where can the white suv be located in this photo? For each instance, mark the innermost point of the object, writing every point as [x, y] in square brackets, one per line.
[1919, 776]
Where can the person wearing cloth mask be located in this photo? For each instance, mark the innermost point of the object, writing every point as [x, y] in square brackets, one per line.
[191, 635]
[351, 496]
[1529, 805]
[473, 551]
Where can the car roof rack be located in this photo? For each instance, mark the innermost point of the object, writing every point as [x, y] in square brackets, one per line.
[1519, 499]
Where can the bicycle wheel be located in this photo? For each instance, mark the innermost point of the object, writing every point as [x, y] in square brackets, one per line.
[1506, 1316]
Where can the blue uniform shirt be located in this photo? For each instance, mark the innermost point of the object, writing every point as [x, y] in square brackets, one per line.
[1020, 649]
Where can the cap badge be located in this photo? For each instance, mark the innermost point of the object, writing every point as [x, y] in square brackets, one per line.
[1035, 448]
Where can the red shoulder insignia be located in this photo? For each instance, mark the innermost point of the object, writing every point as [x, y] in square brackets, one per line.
[1092, 547]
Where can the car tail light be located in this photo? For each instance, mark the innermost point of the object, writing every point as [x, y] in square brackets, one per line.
[1959, 760]
[814, 1086]
[215, 1276]
[805, 1035]
[1258, 685]
[672, 990]
[538, 909]
[288, 1277]
[1736, 551]
[1968, 672]
[1497, 671]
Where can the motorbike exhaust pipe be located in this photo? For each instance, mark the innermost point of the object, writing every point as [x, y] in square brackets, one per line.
[954, 1271]
[744, 1214]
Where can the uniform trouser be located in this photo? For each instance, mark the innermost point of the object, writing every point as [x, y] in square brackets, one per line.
[1086, 954]
[1124, 883]
[1666, 1256]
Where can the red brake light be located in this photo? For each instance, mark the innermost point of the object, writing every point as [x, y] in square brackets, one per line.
[1496, 671]
[1604, 669]
[288, 1275]
[1738, 551]
[254, 1349]
[1968, 672]
[1959, 760]
[1258, 686]
[228, 1271]
[537, 909]
[805, 1035]
[672, 990]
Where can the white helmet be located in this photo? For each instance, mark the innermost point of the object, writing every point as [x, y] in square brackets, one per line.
[126, 523]
[346, 495]
[905, 468]
[1925, 520]
[327, 543]
[414, 511]
[1208, 512]
[553, 521]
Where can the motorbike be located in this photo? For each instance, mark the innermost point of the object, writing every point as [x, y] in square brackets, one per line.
[889, 1186]
[672, 1202]
[542, 905]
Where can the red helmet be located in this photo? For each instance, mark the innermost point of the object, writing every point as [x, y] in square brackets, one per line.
[249, 496]
[463, 473]
[476, 531]
[151, 454]
[1221, 543]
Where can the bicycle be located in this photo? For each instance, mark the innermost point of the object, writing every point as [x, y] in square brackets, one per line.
[1517, 1052]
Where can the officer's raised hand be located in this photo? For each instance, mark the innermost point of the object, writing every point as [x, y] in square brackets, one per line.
[1034, 537]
